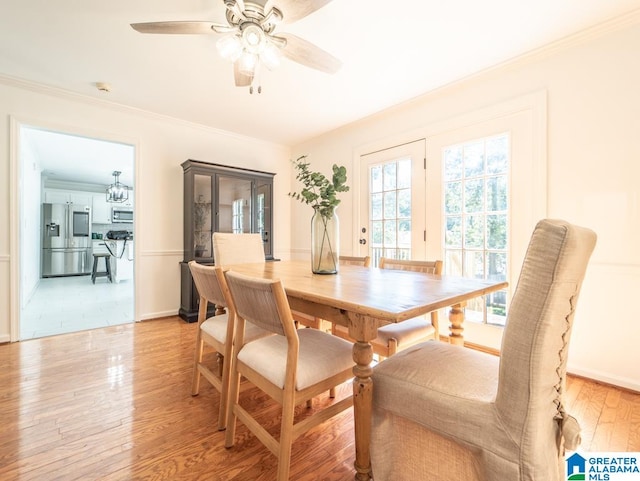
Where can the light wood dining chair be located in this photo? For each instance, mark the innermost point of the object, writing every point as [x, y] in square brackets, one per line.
[364, 261]
[395, 337]
[216, 332]
[307, 320]
[292, 367]
[229, 249]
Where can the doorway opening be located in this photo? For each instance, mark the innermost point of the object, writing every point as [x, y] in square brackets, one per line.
[65, 224]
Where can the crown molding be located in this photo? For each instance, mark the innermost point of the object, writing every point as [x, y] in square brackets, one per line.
[126, 109]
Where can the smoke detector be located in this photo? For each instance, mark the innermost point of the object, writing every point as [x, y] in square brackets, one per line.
[103, 86]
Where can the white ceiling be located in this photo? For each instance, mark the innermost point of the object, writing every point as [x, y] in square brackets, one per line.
[391, 52]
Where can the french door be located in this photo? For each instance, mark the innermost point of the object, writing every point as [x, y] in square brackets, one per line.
[392, 203]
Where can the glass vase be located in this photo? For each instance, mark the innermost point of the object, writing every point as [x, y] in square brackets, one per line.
[325, 237]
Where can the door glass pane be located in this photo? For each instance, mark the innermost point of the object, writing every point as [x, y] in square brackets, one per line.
[474, 264]
[453, 163]
[453, 197]
[390, 205]
[474, 195]
[497, 193]
[474, 232]
[376, 234]
[389, 233]
[404, 234]
[376, 206]
[234, 205]
[389, 178]
[473, 159]
[404, 204]
[376, 178]
[453, 233]
[453, 262]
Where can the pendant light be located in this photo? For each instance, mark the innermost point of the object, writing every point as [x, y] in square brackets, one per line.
[117, 192]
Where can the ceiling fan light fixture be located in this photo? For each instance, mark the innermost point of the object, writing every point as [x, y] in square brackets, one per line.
[229, 47]
[249, 39]
[270, 56]
[253, 38]
[117, 192]
[247, 63]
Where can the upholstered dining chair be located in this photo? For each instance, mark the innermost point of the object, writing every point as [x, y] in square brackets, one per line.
[444, 412]
[396, 337]
[292, 367]
[216, 332]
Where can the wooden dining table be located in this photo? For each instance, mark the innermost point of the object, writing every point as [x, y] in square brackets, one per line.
[362, 299]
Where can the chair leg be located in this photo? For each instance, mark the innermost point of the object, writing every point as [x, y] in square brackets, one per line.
[224, 395]
[393, 347]
[234, 388]
[195, 383]
[286, 437]
[435, 323]
[220, 362]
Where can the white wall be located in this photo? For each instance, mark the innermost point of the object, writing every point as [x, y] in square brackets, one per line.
[162, 144]
[592, 82]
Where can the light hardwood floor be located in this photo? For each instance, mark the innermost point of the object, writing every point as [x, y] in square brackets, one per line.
[115, 404]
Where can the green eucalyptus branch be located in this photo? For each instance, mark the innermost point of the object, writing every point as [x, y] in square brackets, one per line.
[318, 191]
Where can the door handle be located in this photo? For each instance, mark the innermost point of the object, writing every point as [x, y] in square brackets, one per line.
[363, 241]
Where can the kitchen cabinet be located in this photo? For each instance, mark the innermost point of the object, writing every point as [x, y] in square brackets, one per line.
[101, 209]
[219, 198]
[58, 196]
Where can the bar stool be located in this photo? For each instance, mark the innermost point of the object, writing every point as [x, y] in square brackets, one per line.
[107, 261]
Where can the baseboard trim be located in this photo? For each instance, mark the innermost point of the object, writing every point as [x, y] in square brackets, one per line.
[620, 382]
[158, 315]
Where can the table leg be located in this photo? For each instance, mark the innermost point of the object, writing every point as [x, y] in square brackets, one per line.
[456, 318]
[364, 330]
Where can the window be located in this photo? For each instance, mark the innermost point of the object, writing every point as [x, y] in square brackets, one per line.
[476, 218]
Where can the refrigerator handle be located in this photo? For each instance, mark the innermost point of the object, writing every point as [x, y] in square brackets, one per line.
[69, 227]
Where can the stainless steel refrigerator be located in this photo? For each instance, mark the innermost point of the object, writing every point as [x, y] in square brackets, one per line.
[66, 240]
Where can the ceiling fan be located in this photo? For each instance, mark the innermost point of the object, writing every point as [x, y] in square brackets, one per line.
[249, 39]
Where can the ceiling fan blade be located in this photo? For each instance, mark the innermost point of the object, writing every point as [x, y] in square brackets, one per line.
[293, 10]
[180, 27]
[242, 80]
[306, 53]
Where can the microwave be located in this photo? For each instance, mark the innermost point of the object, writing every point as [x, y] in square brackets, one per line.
[121, 215]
